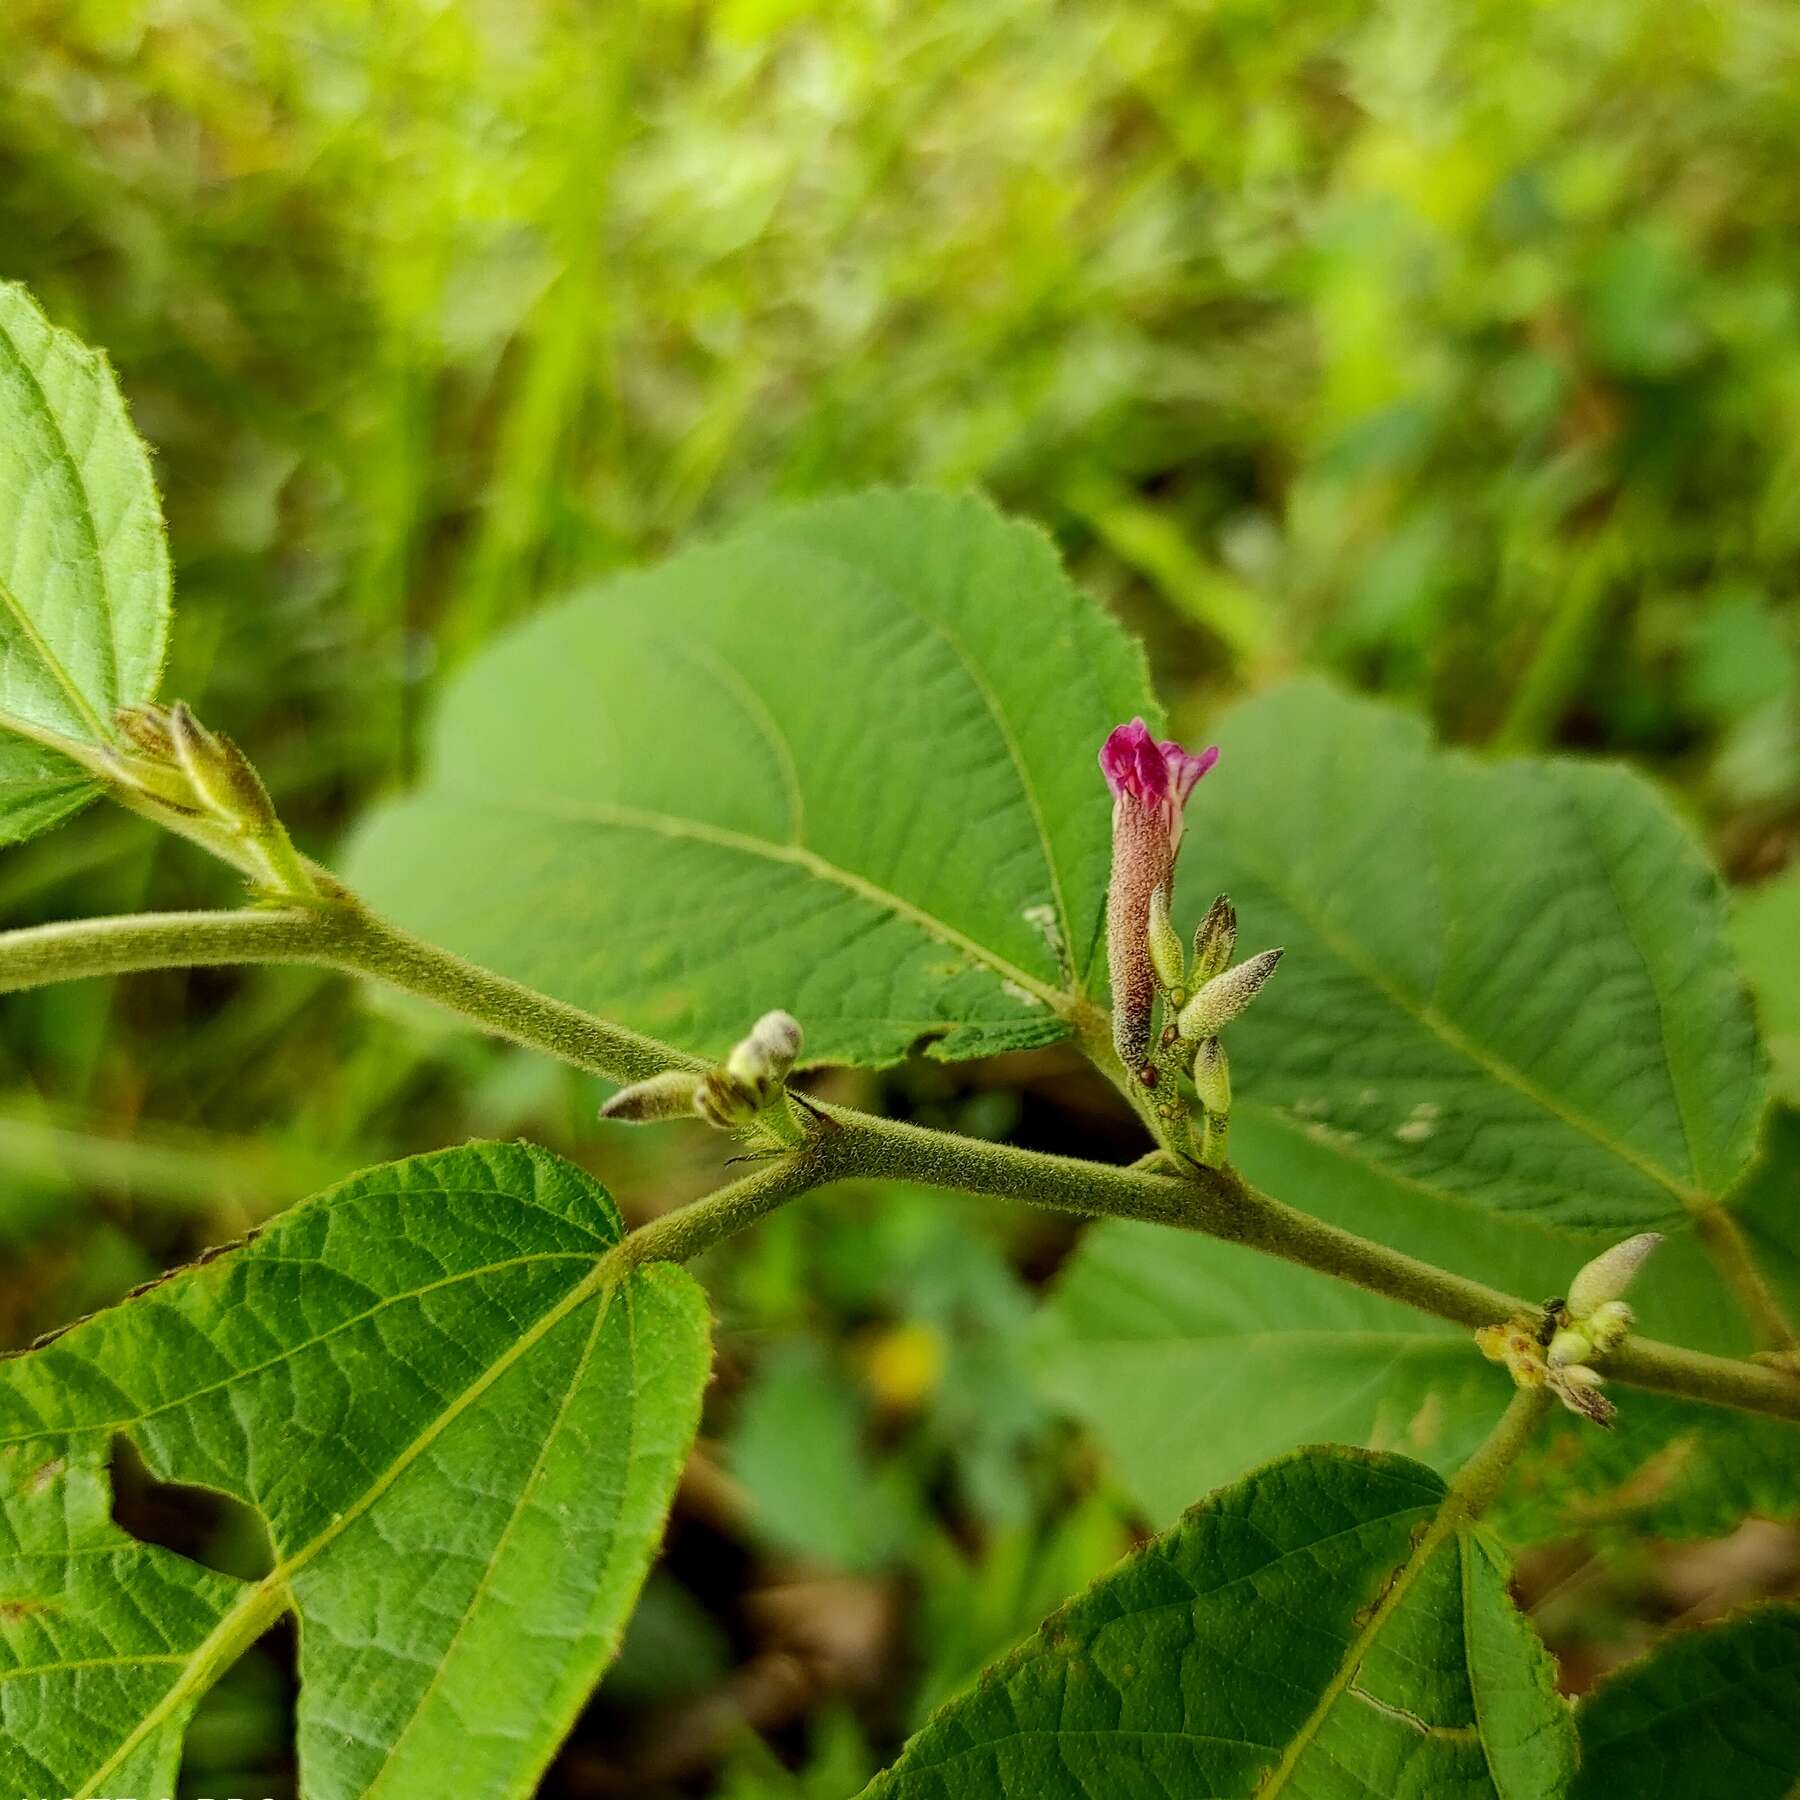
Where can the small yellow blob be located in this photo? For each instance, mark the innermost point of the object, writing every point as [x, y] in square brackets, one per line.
[905, 1364]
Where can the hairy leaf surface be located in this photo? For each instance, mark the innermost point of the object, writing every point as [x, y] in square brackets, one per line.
[84, 570]
[841, 763]
[1708, 1713]
[1287, 1637]
[461, 1429]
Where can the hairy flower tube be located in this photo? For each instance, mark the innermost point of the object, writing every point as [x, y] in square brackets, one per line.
[1150, 783]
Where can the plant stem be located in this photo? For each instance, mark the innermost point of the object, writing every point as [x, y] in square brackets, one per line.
[344, 935]
[1221, 1204]
[688, 1230]
[341, 935]
[1480, 1479]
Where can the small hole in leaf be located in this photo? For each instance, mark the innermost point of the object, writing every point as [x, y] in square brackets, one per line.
[206, 1527]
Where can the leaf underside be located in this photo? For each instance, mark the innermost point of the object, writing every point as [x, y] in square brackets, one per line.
[84, 570]
[841, 763]
[461, 1435]
[1242, 1654]
[1708, 1713]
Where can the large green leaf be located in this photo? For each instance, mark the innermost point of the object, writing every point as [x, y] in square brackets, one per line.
[1507, 984]
[841, 763]
[462, 1429]
[84, 571]
[1291, 1636]
[1708, 1714]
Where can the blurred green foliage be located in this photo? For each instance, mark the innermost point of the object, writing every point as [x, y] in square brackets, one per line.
[1453, 350]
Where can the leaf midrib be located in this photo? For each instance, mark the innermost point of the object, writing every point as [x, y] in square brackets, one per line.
[52, 663]
[613, 815]
[1434, 1539]
[582, 1365]
[1003, 725]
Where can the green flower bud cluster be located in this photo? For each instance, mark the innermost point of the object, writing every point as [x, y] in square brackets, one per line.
[730, 1095]
[1203, 997]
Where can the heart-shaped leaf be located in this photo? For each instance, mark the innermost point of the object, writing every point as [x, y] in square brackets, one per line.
[841, 763]
[462, 1427]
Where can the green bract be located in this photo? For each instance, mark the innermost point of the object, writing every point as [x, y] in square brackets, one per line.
[84, 571]
[461, 1426]
[842, 762]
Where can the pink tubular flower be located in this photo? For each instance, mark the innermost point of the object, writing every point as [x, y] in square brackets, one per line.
[1150, 783]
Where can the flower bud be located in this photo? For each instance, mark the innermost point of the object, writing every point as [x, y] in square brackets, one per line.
[760, 1063]
[1225, 996]
[1212, 1076]
[1215, 939]
[1609, 1274]
[1578, 1388]
[1150, 783]
[1164, 943]
[669, 1095]
[1569, 1346]
[1608, 1325]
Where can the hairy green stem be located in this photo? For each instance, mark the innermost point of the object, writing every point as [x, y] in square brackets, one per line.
[1221, 1204]
[341, 935]
[688, 1230]
[847, 1144]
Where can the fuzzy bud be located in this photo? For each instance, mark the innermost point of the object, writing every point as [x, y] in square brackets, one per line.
[1215, 939]
[760, 1063]
[220, 774]
[146, 729]
[1212, 1076]
[1608, 1326]
[1609, 1274]
[669, 1095]
[1164, 943]
[1225, 996]
[723, 1101]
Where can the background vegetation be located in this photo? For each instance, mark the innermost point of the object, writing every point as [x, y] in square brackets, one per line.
[1453, 351]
